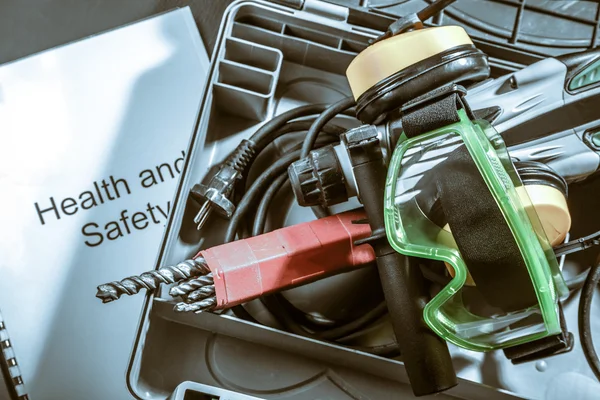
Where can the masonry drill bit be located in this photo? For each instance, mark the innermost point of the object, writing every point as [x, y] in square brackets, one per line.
[200, 294]
[197, 307]
[190, 285]
[152, 279]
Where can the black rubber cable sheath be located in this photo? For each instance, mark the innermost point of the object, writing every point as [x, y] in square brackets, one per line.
[328, 114]
[271, 301]
[264, 135]
[263, 207]
[584, 317]
[335, 331]
[241, 313]
[330, 130]
[311, 137]
[304, 126]
[372, 327]
[267, 177]
[258, 228]
[359, 323]
[296, 127]
[389, 349]
[279, 306]
[262, 210]
[256, 189]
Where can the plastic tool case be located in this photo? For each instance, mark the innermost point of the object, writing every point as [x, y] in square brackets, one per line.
[269, 58]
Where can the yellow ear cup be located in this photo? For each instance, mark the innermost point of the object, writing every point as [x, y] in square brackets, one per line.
[551, 208]
[389, 56]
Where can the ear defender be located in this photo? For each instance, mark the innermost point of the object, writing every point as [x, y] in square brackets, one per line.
[394, 71]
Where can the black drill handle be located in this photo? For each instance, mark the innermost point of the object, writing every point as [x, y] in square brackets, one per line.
[425, 355]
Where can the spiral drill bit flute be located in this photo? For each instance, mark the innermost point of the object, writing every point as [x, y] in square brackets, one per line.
[152, 279]
[198, 306]
[193, 287]
[198, 294]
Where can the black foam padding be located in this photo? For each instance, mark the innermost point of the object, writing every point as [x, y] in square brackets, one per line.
[461, 64]
[530, 173]
[483, 237]
[433, 114]
[537, 173]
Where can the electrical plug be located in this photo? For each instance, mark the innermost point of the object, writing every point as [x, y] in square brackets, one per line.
[215, 196]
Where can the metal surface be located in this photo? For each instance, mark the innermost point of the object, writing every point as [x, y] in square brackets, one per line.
[202, 293]
[202, 216]
[191, 285]
[151, 280]
[198, 306]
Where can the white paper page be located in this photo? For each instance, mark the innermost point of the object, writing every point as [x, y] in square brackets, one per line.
[119, 104]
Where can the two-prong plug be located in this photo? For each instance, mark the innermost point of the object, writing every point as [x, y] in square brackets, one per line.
[216, 195]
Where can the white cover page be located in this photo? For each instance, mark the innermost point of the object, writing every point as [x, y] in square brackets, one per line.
[91, 141]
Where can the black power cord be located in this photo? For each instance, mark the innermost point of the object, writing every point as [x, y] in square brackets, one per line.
[311, 136]
[257, 198]
[584, 317]
[328, 114]
[266, 134]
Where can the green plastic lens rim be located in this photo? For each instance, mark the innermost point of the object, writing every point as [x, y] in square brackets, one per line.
[479, 146]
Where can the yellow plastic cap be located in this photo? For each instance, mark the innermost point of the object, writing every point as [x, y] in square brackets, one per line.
[389, 56]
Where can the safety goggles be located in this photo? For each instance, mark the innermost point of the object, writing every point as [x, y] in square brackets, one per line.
[453, 195]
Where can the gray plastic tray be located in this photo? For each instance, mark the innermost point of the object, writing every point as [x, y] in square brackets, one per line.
[268, 59]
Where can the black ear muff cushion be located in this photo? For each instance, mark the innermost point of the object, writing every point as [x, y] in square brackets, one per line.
[486, 243]
[461, 64]
[537, 173]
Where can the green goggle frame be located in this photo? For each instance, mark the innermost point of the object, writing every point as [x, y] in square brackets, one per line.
[452, 313]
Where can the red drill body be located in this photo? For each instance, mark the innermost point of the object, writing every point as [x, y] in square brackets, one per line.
[246, 269]
[240, 271]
